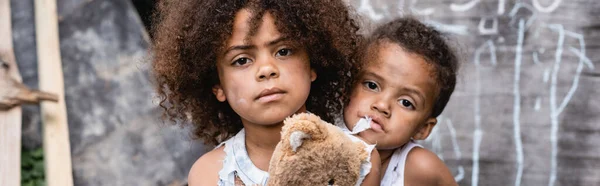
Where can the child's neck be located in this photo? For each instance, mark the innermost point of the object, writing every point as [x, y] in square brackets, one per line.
[263, 137]
[261, 142]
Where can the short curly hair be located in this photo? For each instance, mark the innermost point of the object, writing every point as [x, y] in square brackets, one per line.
[188, 35]
[417, 38]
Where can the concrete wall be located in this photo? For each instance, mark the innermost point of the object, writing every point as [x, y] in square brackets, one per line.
[116, 132]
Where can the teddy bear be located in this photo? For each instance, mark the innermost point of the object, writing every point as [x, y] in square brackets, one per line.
[314, 152]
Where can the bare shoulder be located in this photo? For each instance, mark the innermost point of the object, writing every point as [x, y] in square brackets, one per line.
[423, 167]
[205, 170]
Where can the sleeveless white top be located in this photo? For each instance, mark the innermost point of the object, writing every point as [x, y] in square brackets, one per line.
[394, 174]
[237, 163]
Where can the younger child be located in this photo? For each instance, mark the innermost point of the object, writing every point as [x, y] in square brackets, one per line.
[237, 69]
[408, 76]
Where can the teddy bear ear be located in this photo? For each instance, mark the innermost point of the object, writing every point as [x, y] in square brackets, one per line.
[297, 138]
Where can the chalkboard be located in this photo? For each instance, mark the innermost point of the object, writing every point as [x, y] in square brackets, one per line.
[526, 110]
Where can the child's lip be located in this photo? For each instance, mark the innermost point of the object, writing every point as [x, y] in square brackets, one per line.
[270, 93]
[376, 124]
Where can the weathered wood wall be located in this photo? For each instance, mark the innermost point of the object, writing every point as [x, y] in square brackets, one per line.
[527, 107]
[116, 132]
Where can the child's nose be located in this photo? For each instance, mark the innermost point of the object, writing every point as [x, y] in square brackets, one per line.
[381, 107]
[267, 70]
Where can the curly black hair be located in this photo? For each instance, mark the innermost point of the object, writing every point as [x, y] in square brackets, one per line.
[417, 38]
[190, 33]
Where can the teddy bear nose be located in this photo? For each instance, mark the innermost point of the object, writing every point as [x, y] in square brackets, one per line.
[331, 182]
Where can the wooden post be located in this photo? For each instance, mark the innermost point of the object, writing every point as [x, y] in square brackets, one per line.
[10, 121]
[57, 151]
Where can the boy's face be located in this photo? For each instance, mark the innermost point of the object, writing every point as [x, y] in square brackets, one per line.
[397, 90]
[264, 77]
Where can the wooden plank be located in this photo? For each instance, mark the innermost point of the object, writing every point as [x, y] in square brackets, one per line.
[57, 151]
[10, 121]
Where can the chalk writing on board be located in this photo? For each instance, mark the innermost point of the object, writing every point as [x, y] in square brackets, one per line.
[524, 22]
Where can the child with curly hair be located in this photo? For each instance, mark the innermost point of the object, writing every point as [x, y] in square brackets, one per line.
[236, 69]
[408, 75]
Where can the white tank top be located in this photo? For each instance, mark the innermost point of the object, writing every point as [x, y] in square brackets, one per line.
[237, 163]
[394, 174]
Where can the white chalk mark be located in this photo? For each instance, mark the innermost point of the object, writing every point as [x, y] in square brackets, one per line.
[463, 7]
[454, 29]
[461, 174]
[492, 51]
[461, 171]
[452, 130]
[513, 13]
[365, 7]
[500, 39]
[488, 31]
[501, 7]
[553, 107]
[569, 95]
[478, 132]
[546, 75]
[547, 9]
[554, 110]
[582, 60]
[535, 58]
[538, 103]
[517, 103]
[425, 11]
[582, 57]
[475, 169]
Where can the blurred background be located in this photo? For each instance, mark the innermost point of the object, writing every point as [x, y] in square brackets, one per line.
[526, 110]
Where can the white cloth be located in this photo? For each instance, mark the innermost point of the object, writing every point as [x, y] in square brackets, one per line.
[365, 166]
[238, 163]
[362, 125]
[394, 174]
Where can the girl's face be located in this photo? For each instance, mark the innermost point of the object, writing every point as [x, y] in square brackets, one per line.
[397, 91]
[266, 77]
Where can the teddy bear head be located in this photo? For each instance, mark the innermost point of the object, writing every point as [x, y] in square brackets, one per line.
[314, 152]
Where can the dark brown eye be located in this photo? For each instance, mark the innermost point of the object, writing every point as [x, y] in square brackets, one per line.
[241, 61]
[284, 52]
[331, 182]
[406, 103]
[371, 86]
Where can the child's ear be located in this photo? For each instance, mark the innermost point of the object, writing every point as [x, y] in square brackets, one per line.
[313, 75]
[423, 132]
[219, 93]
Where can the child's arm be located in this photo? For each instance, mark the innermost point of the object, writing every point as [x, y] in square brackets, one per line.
[205, 170]
[373, 178]
[423, 167]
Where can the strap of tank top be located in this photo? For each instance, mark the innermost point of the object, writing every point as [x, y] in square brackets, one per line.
[394, 174]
